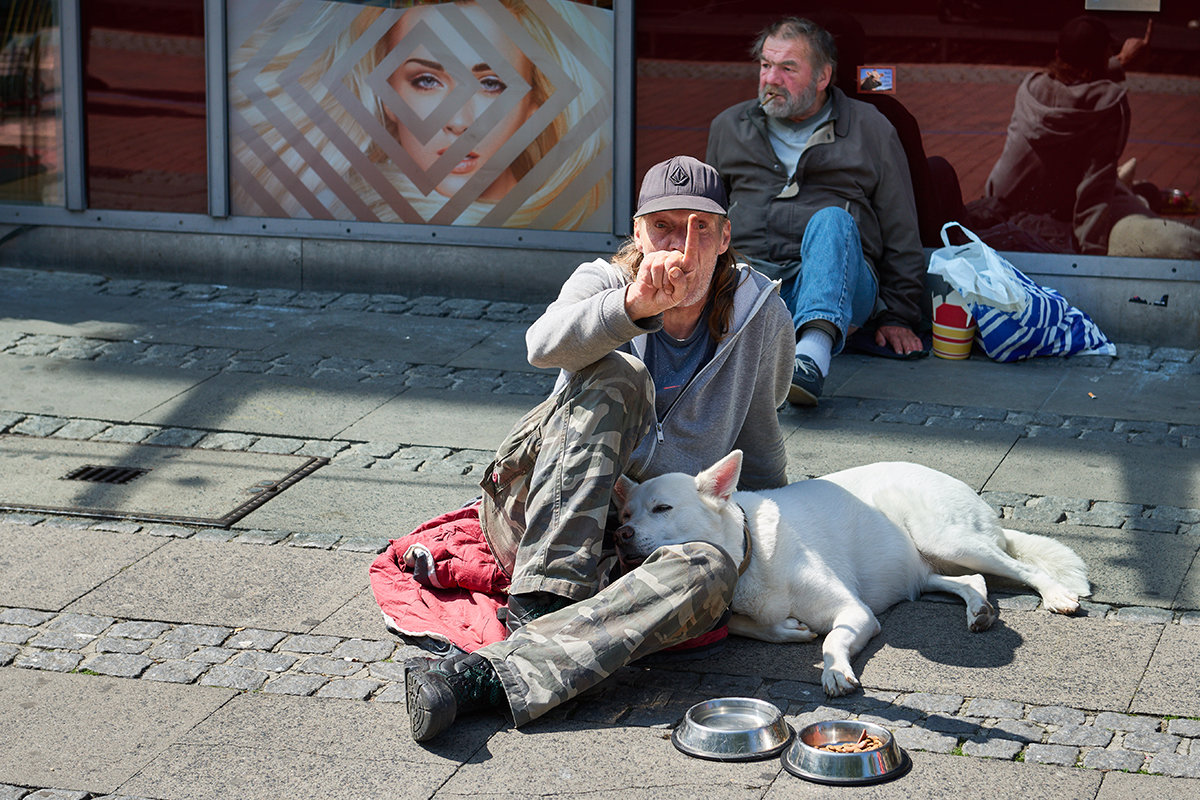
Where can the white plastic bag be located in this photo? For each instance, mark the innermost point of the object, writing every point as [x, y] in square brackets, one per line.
[979, 273]
[1015, 318]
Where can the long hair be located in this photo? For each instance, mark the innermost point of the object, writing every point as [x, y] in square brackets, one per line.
[1070, 74]
[821, 48]
[720, 292]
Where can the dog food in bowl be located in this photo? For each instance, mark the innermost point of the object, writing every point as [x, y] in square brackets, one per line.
[864, 743]
[845, 753]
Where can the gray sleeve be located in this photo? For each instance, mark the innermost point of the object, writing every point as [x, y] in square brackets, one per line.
[586, 322]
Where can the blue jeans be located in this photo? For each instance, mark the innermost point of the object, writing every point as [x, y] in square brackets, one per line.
[834, 282]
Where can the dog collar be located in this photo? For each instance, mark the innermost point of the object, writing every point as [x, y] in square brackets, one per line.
[749, 546]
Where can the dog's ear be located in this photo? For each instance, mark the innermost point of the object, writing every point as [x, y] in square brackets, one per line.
[721, 479]
[622, 489]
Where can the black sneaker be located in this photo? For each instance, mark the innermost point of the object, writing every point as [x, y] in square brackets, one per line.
[807, 382]
[438, 690]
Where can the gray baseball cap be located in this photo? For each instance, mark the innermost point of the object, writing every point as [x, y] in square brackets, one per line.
[682, 183]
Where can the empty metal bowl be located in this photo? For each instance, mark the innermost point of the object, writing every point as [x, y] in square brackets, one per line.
[805, 759]
[732, 729]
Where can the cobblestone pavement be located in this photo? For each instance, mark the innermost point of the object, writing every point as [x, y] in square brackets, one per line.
[364, 669]
[277, 662]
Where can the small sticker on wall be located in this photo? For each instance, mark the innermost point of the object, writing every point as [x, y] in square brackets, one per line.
[876, 80]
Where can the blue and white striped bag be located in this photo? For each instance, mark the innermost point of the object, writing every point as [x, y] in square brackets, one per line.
[1047, 325]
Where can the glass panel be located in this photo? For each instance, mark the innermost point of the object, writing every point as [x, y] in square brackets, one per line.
[493, 113]
[954, 69]
[144, 105]
[30, 113]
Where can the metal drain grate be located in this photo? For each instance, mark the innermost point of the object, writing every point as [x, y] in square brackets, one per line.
[152, 483]
[94, 474]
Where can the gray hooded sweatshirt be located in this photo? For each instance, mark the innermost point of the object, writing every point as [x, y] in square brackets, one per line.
[731, 402]
[1060, 157]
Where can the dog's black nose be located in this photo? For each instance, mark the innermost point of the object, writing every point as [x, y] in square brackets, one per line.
[624, 533]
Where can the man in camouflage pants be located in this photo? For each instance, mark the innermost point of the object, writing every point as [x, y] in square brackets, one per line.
[671, 355]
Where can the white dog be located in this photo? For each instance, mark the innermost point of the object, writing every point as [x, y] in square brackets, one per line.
[824, 556]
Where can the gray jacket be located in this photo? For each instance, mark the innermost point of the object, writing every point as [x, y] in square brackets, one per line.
[853, 161]
[1061, 153]
[732, 401]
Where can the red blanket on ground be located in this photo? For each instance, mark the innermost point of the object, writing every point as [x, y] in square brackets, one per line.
[442, 581]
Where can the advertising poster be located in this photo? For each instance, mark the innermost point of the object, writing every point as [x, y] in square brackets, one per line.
[495, 113]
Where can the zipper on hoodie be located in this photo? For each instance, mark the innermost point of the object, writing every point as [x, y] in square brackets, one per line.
[725, 345]
[659, 436]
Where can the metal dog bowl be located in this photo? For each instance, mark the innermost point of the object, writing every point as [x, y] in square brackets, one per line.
[732, 729]
[805, 760]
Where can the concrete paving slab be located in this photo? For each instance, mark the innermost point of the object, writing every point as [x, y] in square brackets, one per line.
[1026, 656]
[218, 583]
[91, 733]
[503, 349]
[1101, 471]
[1130, 786]
[823, 446]
[39, 311]
[1189, 593]
[1127, 395]
[47, 567]
[793, 662]
[1127, 568]
[454, 419]
[98, 390]
[258, 744]
[270, 404]
[578, 759]
[937, 775]
[972, 382]
[388, 337]
[358, 619]
[206, 486]
[364, 502]
[238, 326]
[842, 369]
[1171, 681]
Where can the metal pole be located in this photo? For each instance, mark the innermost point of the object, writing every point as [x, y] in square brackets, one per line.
[74, 164]
[624, 66]
[217, 111]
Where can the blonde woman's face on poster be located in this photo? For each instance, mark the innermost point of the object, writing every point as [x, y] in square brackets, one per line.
[423, 82]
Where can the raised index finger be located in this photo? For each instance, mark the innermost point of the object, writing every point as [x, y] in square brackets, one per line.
[690, 254]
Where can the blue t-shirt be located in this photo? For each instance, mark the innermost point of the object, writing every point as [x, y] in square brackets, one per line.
[673, 362]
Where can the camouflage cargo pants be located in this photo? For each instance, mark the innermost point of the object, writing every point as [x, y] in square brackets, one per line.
[680, 592]
[546, 505]
[548, 492]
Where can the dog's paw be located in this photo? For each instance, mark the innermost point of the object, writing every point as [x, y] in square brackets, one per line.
[982, 617]
[793, 630]
[1060, 601]
[838, 682]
